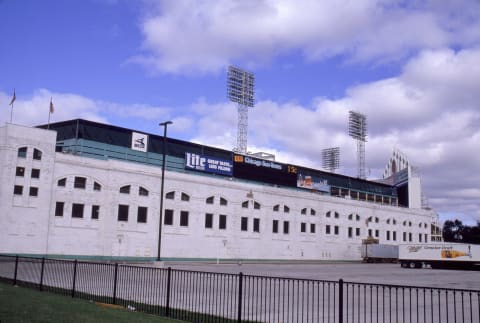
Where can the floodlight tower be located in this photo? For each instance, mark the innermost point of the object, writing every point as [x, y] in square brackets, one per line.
[357, 129]
[331, 158]
[240, 89]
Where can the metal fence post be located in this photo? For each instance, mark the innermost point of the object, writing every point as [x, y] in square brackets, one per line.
[340, 301]
[240, 296]
[41, 273]
[74, 277]
[115, 276]
[15, 272]
[167, 305]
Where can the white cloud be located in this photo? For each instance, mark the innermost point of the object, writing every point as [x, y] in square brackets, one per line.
[34, 109]
[430, 111]
[189, 36]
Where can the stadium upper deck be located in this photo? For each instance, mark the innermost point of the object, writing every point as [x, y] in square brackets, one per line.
[101, 141]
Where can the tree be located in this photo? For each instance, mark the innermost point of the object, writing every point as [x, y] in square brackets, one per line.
[456, 231]
[453, 231]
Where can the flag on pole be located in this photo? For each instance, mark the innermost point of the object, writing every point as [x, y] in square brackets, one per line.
[13, 98]
[52, 108]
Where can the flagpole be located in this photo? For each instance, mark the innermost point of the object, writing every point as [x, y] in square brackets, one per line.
[11, 103]
[49, 113]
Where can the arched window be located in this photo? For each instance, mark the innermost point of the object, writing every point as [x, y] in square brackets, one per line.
[125, 189]
[97, 186]
[286, 209]
[256, 205]
[276, 208]
[313, 212]
[142, 191]
[37, 154]
[22, 152]
[223, 201]
[210, 200]
[80, 182]
[245, 204]
[185, 197]
[170, 195]
[303, 211]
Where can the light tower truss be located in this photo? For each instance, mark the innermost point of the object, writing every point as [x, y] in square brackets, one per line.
[240, 89]
[331, 158]
[357, 129]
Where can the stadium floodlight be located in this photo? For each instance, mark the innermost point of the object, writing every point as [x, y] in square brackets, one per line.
[357, 129]
[240, 89]
[331, 158]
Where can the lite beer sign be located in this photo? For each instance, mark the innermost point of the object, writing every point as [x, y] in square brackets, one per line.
[208, 164]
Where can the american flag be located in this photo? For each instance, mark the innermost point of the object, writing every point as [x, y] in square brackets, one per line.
[13, 98]
[52, 108]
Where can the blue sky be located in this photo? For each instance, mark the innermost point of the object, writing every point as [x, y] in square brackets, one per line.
[413, 67]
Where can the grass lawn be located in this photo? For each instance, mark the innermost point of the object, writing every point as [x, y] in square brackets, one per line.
[19, 304]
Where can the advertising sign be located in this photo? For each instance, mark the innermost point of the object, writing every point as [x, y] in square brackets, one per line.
[258, 162]
[208, 164]
[312, 183]
[268, 171]
[139, 141]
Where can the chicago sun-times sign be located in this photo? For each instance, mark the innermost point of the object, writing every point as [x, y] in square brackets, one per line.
[208, 164]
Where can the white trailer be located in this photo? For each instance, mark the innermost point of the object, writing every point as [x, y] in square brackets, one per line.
[379, 253]
[440, 255]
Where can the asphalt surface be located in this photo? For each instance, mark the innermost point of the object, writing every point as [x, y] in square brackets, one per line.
[311, 297]
[388, 274]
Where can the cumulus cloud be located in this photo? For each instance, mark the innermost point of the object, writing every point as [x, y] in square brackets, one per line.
[429, 111]
[190, 36]
[33, 109]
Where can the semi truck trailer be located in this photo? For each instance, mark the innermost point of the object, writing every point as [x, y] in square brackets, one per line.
[379, 253]
[440, 256]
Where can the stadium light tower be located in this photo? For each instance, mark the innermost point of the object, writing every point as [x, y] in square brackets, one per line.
[357, 129]
[240, 89]
[331, 158]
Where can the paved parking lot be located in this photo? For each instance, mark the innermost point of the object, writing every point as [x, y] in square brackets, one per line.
[352, 272]
[269, 299]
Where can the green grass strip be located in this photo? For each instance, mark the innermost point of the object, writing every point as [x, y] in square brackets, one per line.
[20, 304]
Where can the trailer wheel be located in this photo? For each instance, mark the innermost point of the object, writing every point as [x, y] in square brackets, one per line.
[415, 265]
[404, 264]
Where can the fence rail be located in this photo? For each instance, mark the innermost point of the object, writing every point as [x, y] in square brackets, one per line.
[216, 297]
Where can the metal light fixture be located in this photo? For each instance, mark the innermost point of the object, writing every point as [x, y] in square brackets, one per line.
[357, 129]
[240, 89]
[164, 125]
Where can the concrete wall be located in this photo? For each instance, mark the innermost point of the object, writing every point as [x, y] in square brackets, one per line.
[29, 225]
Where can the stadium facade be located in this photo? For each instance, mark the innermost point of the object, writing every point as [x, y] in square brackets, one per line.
[89, 190]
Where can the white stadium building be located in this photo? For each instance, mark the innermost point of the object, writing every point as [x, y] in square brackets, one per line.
[82, 189]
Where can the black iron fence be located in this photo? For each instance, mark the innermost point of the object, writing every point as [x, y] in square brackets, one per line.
[215, 297]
